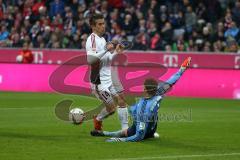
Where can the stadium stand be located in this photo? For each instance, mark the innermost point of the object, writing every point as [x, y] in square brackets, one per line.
[175, 25]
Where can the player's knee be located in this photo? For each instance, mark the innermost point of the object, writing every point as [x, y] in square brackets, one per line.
[111, 109]
[111, 113]
[121, 102]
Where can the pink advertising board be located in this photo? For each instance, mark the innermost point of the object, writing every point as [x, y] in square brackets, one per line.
[201, 60]
[208, 83]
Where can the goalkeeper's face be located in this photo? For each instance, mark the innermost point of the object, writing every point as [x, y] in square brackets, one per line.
[150, 87]
[99, 26]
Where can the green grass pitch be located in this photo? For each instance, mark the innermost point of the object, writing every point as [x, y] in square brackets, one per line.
[195, 129]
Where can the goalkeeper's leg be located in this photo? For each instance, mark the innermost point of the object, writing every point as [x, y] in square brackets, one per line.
[130, 131]
[120, 133]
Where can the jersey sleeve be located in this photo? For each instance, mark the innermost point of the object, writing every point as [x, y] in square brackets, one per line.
[112, 55]
[133, 112]
[91, 46]
[165, 86]
[132, 109]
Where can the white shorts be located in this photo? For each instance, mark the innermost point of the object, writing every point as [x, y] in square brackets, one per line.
[105, 92]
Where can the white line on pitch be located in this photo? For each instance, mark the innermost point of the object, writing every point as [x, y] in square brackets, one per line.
[179, 156]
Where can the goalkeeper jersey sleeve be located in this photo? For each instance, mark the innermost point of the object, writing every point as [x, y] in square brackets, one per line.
[165, 86]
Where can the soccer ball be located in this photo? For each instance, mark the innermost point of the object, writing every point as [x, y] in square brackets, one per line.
[76, 116]
[19, 58]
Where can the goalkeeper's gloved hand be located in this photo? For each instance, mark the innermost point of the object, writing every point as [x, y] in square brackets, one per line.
[186, 63]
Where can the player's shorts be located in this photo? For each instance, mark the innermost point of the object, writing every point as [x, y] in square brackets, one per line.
[105, 92]
[152, 127]
[131, 130]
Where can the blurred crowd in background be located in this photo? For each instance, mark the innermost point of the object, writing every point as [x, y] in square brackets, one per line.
[166, 25]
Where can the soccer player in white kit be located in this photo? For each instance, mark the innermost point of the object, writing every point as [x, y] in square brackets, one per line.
[99, 56]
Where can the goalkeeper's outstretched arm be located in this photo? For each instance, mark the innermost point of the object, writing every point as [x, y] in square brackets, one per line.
[165, 86]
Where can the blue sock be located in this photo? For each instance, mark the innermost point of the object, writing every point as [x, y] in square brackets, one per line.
[114, 134]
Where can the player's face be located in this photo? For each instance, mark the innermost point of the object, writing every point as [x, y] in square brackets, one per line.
[145, 94]
[100, 26]
[25, 46]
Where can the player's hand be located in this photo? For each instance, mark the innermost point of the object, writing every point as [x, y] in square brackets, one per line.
[119, 49]
[186, 63]
[113, 139]
[110, 47]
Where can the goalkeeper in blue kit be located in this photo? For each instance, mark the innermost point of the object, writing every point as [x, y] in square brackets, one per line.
[145, 111]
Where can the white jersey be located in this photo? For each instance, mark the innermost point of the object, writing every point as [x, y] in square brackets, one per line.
[100, 72]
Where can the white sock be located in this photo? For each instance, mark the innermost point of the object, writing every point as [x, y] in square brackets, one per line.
[123, 117]
[103, 114]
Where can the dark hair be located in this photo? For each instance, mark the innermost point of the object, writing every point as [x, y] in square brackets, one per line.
[150, 86]
[94, 17]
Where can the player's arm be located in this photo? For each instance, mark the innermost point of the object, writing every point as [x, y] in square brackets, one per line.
[165, 86]
[118, 50]
[94, 56]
